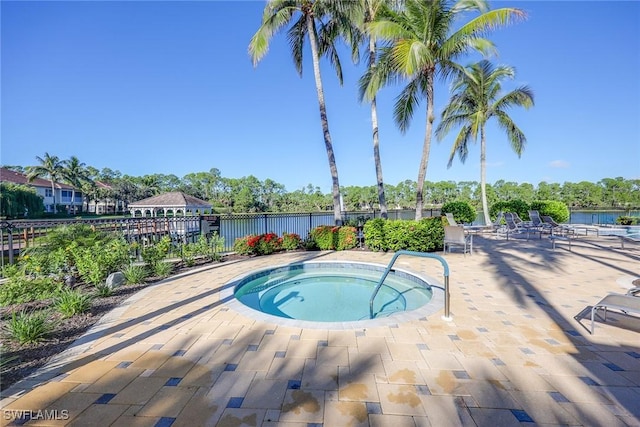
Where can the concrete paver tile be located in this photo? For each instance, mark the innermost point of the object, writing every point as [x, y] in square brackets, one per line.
[114, 380]
[319, 377]
[266, 394]
[338, 413]
[286, 368]
[384, 420]
[358, 387]
[167, 402]
[237, 417]
[447, 410]
[400, 399]
[303, 406]
[199, 411]
[99, 415]
[139, 391]
[90, 372]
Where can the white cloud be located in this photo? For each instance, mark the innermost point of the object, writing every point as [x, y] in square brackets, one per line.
[559, 164]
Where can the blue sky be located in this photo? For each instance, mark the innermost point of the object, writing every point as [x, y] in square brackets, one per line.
[148, 87]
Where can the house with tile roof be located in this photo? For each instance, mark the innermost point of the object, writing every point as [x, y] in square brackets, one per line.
[63, 192]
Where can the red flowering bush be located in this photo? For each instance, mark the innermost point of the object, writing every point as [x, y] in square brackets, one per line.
[267, 244]
[347, 238]
[262, 244]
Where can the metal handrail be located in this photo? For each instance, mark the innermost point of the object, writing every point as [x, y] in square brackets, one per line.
[418, 254]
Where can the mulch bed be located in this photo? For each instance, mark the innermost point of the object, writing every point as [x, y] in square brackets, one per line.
[30, 357]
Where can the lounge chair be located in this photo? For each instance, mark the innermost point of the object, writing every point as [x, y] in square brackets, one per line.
[498, 222]
[455, 235]
[633, 238]
[516, 226]
[558, 229]
[536, 221]
[625, 303]
[634, 292]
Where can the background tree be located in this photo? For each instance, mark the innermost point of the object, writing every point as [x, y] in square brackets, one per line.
[477, 98]
[75, 174]
[50, 168]
[321, 22]
[423, 44]
[19, 201]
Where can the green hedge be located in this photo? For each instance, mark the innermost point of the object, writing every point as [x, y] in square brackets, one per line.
[553, 208]
[426, 235]
[327, 237]
[463, 212]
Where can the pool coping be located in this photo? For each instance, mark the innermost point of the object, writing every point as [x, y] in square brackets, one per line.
[435, 305]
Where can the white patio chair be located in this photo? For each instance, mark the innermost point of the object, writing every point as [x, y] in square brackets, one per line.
[450, 219]
[454, 235]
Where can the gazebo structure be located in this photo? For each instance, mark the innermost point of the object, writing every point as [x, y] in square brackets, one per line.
[169, 205]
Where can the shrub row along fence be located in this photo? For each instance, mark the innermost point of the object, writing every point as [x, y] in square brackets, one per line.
[16, 235]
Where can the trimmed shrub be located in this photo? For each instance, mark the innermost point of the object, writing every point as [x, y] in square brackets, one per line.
[325, 237]
[155, 253]
[290, 241]
[241, 245]
[518, 206]
[425, 235]
[628, 220]
[347, 238]
[328, 237]
[20, 288]
[553, 208]
[463, 212]
[374, 237]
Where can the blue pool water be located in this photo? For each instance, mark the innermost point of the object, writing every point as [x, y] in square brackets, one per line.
[331, 291]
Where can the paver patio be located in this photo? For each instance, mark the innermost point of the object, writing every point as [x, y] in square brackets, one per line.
[179, 354]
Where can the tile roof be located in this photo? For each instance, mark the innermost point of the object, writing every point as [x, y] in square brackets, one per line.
[8, 175]
[176, 198]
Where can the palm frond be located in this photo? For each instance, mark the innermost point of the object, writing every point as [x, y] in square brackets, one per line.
[273, 19]
[296, 36]
[405, 104]
[516, 137]
[520, 97]
[461, 145]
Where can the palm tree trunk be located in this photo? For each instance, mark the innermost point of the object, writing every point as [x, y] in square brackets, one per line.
[426, 148]
[376, 142]
[53, 194]
[337, 214]
[483, 176]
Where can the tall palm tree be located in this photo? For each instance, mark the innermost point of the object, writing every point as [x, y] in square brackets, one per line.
[477, 97]
[321, 22]
[50, 167]
[422, 45]
[371, 10]
[75, 174]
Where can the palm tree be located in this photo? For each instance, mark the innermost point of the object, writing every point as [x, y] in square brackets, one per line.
[371, 9]
[50, 167]
[421, 45]
[75, 174]
[321, 22]
[477, 97]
